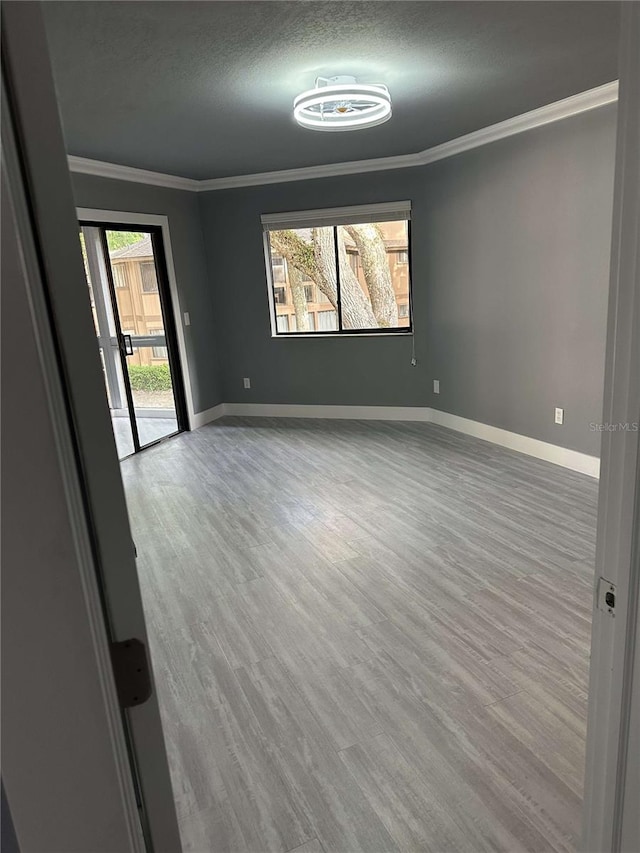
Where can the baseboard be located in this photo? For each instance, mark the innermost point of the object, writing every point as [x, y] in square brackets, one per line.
[572, 459]
[202, 418]
[369, 413]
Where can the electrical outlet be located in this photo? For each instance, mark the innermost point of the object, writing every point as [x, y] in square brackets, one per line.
[247, 382]
[187, 319]
[436, 386]
[559, 415]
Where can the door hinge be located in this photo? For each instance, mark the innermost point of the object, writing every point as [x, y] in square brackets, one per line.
[131, 672]
[606, 596]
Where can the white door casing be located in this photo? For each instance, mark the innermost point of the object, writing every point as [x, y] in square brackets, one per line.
[608, 806]
[86, 424]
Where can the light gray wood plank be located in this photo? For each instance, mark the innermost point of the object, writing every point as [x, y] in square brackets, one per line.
[539, 726]
[312, 846]
[403, 797]
[337, 809]
[366, 636]
[308, 577]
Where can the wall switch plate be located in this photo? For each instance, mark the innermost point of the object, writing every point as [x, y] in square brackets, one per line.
[436, 386]
[187, 319]
[559, 415]
[246, 382]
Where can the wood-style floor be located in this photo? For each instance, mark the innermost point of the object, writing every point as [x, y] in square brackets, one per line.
[366, 636]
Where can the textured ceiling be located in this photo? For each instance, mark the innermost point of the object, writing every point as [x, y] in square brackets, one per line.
[204, 89]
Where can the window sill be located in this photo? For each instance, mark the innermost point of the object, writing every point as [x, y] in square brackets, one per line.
[285, 336]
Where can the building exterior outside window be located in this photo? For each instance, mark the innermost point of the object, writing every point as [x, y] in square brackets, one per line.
[136, 286]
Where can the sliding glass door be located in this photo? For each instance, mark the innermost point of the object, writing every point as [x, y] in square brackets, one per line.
[126, 275]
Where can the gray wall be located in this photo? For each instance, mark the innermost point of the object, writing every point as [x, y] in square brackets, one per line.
[181, 207]
[8, 840]
[510, 275]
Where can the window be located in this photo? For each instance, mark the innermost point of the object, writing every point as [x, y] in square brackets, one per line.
[327, 321]
[278, 269]
[148, 276]
[158, 352]
[120, 275]
[349, 257]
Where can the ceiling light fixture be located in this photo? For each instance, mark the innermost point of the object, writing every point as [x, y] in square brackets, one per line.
[341, 103]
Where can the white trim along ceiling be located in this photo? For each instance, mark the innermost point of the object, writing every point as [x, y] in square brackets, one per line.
[589, 100]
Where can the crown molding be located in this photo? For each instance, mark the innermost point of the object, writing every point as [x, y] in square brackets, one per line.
[584, 101]
[306, 173]
[580, 103]
[84, 166]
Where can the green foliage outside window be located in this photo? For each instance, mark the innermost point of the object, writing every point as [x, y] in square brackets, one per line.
[150, 377]
[120, 239]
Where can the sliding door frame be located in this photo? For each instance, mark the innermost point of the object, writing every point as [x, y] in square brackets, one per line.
[167, 281]
[168, 317]
[115, 310]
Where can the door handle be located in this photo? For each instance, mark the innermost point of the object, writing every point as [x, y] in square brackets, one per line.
[128, 346]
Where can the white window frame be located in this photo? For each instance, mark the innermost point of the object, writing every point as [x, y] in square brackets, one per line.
[386, 211]
[176, 305]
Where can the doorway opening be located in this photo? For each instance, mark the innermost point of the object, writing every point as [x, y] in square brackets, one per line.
[127, 278]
